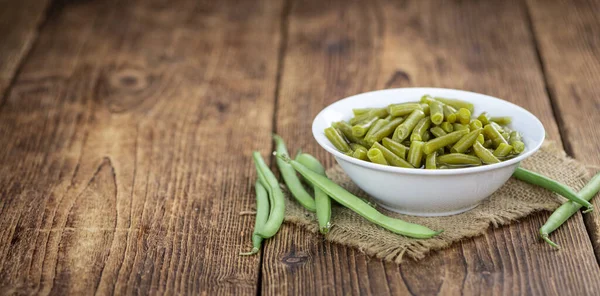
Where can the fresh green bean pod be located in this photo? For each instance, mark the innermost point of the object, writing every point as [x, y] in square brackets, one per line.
[322, 201]
[460, 127]
[481, 139]
[361, 128]
[395, 147]
[420, 129]
[291, 178]
[438, 131]
[447, 127]
[406, 127]
[390, 157]
[503, 120]
[430, 161]
[384, 131]
[415, 153]
[376, 156]
[378, 112]
[346, 130]
[361, 111]
[484, 118]
[554, 186]
[464, 116]
[492, 133]
[404, 109]
[485, 155]
[443, 141]
[337, 140]
[503, 150]
[362, 208]
[568, 209]
[466, 141]
[262, 215]
[436, 112]
[276, 198]
[457, 104]
[459, 159]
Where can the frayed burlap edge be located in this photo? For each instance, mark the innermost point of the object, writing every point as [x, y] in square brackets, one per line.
[514, 200]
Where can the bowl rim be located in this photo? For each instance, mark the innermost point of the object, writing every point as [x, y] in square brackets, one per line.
[393, 169]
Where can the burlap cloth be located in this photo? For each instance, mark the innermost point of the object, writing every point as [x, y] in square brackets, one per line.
[514, 200]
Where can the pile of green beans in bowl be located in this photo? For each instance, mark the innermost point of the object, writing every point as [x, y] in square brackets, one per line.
[433, 133]
[482, 140]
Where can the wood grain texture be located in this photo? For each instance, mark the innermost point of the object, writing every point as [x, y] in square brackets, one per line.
[568, 35]
[339, 48]
[19, 21]
[126, 140]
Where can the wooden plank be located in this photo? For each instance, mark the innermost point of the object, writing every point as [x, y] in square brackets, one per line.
[339, 48]
[19, 21]
[567, 34]
[126, 148]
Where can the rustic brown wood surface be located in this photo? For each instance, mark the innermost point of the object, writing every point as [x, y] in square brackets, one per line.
[126, 130]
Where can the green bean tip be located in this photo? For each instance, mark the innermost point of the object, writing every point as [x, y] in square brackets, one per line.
[589, 210]
[545, 237]
[252, 252]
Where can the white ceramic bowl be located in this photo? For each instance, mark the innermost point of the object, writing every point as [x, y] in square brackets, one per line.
[422, 192]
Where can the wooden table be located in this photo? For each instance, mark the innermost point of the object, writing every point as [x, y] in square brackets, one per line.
[126, 130]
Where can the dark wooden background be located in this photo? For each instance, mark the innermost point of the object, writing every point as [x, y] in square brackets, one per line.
[126, 129]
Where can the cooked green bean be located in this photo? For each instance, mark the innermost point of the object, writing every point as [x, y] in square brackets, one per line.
[405, 128]
[415, 153]
[276, 198]
[426, 109]
[497, 126]
[438, 131]
[484, 118]
[459, 159]
[488, 143]
[346, 130]
[456, 104]
[464, 116]
[503, 150]
[395, 147]
[447, 127]
[322, 201]
[337, 140]
[450, 113]
[466, 141]
[441, 142]
[360, 154]
[485, 155]
[475, 124]
[503, 120]
[362, 208]
[481, 139]
[390, 157]
[361, 128]
[376, 156]
[379, 112]
[262, 214]
[516, 141]
[427, 136]
[291, 178]
[554, 186]
[430, 161]
[568, 209]
[426, 99]
[361, 111]
[420, 129]
[436, 111]
[384, 131]
[492, 133]
[404, 109]
[460, 126]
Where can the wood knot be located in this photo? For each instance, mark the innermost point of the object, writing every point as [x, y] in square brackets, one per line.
[130, 79]
[293, 259]
[126, 88]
